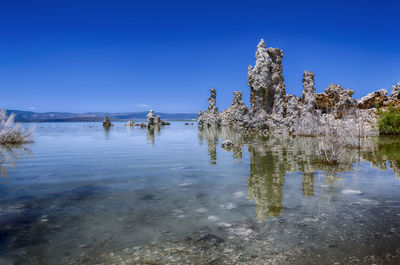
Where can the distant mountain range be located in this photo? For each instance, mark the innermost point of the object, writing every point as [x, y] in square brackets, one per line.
[29, 116]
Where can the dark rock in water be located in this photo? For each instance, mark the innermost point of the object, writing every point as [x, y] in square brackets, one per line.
[107, 122]
[148, 197]
[205, 239]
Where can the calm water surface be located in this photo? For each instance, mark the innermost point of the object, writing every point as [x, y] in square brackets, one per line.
[81, 194]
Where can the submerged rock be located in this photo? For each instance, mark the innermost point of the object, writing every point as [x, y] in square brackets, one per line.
[227, 144]
[107, 122]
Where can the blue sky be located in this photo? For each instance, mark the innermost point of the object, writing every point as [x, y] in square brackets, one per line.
[123, 56]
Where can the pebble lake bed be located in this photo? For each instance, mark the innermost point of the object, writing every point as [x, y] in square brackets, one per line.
[84, 194]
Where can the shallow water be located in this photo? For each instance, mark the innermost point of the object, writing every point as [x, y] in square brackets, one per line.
[80, 194]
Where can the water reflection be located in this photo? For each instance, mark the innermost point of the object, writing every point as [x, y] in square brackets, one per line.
[107, 132]
[9, 155]
[211, 135]
[271, 158]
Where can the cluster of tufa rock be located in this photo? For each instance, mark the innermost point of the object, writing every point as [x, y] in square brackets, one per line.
[151, 121]
[272, 110]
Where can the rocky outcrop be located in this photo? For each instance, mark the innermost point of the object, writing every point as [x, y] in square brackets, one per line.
[308, 95]
[267, 90]
[373, 100]
[211, 115]
[293, 109]
[272, 111]
[237, 113]
[395, 95]
[335, 100]
[152, 122]
[150, 119]
[107, 122]
[394, 98]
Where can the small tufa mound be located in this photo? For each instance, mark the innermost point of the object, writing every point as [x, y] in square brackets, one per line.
[10, 132]
[152, 121]
[107, 122]
[130, 124]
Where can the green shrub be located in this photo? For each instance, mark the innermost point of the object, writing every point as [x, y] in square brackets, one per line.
[389, 121]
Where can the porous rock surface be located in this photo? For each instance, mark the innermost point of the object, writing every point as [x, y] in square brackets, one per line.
[394, 98]
[237, 113]
[273, 111]
[211, 115]
[374, 99]
[152, 121]
[336, 100]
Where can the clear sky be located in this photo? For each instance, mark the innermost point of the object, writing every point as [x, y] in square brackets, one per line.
[123, 56]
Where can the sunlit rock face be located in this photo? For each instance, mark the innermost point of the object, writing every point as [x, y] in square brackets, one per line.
[308, 95]
[267, 90]
[293, 109]
[211, 115]
[336, 100]
[157, 120]
[394, 98]
[237, 113]
[372, 100]
[150, 119]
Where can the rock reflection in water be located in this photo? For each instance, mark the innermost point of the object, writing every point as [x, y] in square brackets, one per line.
[9, 154]
[211, 135]
[272, 157]
[151, 132]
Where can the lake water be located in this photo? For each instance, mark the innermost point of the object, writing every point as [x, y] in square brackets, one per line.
[80, 194]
